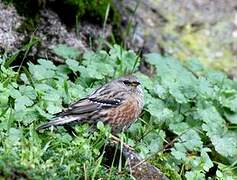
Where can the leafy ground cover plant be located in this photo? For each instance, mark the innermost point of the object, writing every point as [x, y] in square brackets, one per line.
[189, 119]
[188, 126]
[40, 90]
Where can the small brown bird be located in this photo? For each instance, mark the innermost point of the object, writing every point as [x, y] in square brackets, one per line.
[117, 103]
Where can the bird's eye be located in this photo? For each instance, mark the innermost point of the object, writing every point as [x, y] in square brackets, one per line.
[130, 83]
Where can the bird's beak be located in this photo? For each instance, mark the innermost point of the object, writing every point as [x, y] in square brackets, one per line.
[135, 84]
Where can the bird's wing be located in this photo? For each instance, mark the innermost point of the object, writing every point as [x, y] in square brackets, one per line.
[108, 95]
[80, 107]
[76, 112]
[101, 98]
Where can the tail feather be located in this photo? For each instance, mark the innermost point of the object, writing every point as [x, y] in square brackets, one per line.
[58, 121]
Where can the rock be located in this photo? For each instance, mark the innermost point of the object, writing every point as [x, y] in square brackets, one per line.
[51, 32]
[137, 167]
[185, 29]
[141, 169]
[10, 39]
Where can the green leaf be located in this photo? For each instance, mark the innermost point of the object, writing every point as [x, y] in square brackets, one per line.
[231, 103]
[53, 95]
[41, 72]
[22, 102]
[160, 91]
[194, 175]
[217, 78]
[136, 128]
[213, 122]
[100, 125]
[231, 117]
[174, 90]
[90, 73]
[158, 110]
[47, 64]
[14, 93]
[154, 141]
[43, 87]
[14, 136]
[205, 159]
[226, 144]
[28, 116]
[195, 66]
[180, 82]
[205, 88]
[4, 96]
[179, 128]
[153, 58]
[191, 140]
[179, 155]
[66, 52]
[72, 64]
[127, 61]
[28, 91]
[76, 92]
[53, 108]
[96, 66]
[43, 113]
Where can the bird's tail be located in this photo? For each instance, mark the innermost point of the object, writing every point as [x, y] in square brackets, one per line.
[58, 121]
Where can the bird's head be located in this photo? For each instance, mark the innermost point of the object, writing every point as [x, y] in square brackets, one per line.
[131, 83]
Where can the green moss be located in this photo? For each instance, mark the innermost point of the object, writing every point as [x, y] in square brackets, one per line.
[202, 43]
[93, 9]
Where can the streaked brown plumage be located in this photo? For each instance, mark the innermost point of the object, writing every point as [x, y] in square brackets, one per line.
[117, 103]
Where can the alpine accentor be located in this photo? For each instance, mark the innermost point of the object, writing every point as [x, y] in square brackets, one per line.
[117, 103]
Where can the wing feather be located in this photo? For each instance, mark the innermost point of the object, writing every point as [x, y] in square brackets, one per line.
[103, 98]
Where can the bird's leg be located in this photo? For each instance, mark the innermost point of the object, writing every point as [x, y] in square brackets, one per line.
[118, 140]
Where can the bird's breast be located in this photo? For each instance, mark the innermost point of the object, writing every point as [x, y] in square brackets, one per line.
[122, 116]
